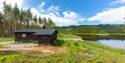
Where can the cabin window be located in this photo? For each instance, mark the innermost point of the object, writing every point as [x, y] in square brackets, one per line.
[23, 35]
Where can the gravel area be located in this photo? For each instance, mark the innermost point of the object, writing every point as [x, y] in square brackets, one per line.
[30, 48]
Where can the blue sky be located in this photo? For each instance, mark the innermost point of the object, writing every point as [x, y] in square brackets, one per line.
[85, 8]
[76, 12]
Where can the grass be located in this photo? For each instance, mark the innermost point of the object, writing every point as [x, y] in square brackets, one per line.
[65, 36]
[76, 52]
[1, 46]
[6, 39]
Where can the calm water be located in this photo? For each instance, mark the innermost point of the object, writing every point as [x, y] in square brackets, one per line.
[113, 43]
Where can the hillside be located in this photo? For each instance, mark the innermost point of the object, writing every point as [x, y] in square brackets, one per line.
[93, 29]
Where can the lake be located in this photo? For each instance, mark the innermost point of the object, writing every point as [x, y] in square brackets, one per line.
[103, 36]
[112, 40]
[113, 43]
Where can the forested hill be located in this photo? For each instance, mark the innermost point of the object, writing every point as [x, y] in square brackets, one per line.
[93, 29]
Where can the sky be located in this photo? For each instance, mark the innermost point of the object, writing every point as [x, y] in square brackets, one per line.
[75, 12]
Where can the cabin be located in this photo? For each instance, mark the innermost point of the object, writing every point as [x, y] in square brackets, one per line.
[42, 36]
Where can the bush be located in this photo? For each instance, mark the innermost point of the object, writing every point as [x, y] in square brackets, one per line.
[77, 44]
[58, 42]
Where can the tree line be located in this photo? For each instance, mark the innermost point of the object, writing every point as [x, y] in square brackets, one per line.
[13, 18]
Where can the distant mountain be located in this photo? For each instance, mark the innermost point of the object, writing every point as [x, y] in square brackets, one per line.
[93, 29]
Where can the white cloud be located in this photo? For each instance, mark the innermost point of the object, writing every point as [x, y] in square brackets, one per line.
[64, 18]
[70, 14]
[118, 2]
[68, 18]
[41, 7]
[110, 16]
[12, 2]
[54, 9]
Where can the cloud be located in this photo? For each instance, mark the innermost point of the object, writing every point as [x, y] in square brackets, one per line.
[41, 7]
[64, 18]
[118, 2]
[54, 9]
[68, 18]
[110, 16]
[12, 2]
[61, 18]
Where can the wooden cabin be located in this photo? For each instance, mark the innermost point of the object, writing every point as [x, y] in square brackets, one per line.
[43, 36]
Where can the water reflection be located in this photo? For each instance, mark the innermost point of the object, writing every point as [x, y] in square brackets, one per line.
[113, 43]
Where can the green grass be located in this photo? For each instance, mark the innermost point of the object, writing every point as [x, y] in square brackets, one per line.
[76, 52]
[65, 36]
[95, 53]
[1, 46]
[32, 58]
[6, 39]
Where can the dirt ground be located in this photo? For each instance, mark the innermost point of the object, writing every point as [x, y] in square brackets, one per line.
[37, 49]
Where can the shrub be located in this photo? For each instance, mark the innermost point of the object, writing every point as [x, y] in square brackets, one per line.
[58, 42]
[77, 44]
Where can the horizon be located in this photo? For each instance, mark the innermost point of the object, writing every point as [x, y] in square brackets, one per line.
[72, 12]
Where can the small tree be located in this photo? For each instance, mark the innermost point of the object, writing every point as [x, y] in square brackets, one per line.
[44, 22]
[50, 23]
[35, 20]
[40, 20]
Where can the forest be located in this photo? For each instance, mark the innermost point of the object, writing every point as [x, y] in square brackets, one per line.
[13, 18]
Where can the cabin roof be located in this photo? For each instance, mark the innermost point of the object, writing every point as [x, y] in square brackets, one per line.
[45, 32]
[37, 31]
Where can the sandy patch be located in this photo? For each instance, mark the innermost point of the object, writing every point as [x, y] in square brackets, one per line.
[37, 49]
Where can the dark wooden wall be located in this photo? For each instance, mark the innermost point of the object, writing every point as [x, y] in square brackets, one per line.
[29, 37]
[42, 39]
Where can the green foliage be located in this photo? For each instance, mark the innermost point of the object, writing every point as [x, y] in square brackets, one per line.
[93, 29]
[58, 42]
